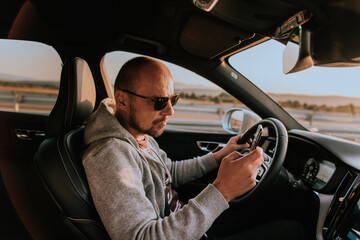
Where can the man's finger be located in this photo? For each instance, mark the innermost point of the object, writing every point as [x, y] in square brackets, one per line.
[242, 146]
[232, 156]
[253, 156]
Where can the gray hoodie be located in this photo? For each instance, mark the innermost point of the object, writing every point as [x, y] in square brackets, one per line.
[127, 184]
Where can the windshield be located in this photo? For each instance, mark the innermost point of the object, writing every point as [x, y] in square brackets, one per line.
[322, 99]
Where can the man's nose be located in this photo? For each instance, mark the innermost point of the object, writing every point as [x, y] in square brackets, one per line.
[168, 110]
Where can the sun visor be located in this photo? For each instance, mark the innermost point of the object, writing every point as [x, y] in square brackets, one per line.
[208, 37]
[336, 44]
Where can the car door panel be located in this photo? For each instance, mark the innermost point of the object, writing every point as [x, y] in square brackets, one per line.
[11, 226]
[21, 135]
[180, 145]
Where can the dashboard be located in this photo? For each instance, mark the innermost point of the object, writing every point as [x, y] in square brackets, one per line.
[326, 167]
[329, 166]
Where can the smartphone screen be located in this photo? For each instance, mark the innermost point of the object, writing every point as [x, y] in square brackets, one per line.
[257, 137]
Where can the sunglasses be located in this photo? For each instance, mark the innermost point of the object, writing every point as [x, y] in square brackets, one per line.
[159, 102]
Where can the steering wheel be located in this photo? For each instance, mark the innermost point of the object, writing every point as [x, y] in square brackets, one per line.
[272, 164]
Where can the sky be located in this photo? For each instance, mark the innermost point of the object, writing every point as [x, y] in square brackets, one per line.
[261, 64]
[33, 60]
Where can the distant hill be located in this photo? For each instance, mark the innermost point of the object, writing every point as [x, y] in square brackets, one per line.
[197, 89]
[278, 97]
[43, 84]
[10, 81]
[49, 87]
[317, 100]
[11, 78]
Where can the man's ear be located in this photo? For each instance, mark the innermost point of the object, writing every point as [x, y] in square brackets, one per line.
[120, 99]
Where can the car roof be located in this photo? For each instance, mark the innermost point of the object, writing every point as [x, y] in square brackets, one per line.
[172, 30]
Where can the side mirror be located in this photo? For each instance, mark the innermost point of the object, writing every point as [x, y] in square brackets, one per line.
[238, 120]
[297, 57]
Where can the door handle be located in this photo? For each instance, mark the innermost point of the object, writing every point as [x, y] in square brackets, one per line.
[209, 146]
[28, 135]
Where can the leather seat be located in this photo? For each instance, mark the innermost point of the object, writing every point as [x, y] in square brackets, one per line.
[58, 177]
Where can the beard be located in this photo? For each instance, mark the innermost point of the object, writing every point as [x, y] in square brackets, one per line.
[153, 130]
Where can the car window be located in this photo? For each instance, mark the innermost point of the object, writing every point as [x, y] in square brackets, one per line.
[322, 99]
[202, 104]
[29, 76]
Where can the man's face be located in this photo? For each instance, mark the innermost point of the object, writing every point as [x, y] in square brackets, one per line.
[143, 119]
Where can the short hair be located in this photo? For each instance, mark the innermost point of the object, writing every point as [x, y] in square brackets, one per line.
[129, 72]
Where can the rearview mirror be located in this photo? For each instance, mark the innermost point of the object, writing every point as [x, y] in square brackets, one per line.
[297, 57]
[238, 120]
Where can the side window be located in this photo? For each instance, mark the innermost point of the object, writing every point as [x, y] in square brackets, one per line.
[29, 76]
[202, 104]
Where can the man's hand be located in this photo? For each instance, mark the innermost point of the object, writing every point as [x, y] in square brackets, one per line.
[237, 173]
[230, 147]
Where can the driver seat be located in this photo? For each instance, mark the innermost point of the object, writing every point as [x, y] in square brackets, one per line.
[58, 178]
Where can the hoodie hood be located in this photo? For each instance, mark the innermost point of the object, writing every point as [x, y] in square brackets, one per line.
[103, 124]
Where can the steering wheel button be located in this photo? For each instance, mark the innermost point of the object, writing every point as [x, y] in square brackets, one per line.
[261, 171]
[266, 158]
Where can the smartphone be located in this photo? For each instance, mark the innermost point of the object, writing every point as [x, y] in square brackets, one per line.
[257, 137]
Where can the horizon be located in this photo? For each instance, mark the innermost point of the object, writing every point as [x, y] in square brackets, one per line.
[311, 82]
[185, 86]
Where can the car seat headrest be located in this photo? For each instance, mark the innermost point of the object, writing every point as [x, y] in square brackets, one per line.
[76, 99]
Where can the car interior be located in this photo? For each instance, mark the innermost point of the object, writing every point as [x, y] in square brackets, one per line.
[43, 188]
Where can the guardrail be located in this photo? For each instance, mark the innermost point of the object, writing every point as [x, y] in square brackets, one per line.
[216, 126]
[206, 117]
[26, 101]
[323, 122]
[196, 125]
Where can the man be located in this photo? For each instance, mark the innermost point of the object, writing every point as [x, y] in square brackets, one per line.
[130, 177]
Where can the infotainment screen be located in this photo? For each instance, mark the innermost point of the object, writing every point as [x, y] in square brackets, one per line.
[351, 229]
[353, 235]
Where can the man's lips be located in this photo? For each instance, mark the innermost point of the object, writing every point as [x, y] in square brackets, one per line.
[163, 121]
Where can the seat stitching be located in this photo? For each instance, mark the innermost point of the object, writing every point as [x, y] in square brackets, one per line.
[68, 173]
[84, 220]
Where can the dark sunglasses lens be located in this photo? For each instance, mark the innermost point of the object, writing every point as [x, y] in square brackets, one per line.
[161, 103]
[174, 100]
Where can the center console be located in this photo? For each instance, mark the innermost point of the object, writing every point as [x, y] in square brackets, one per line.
[343, 218]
